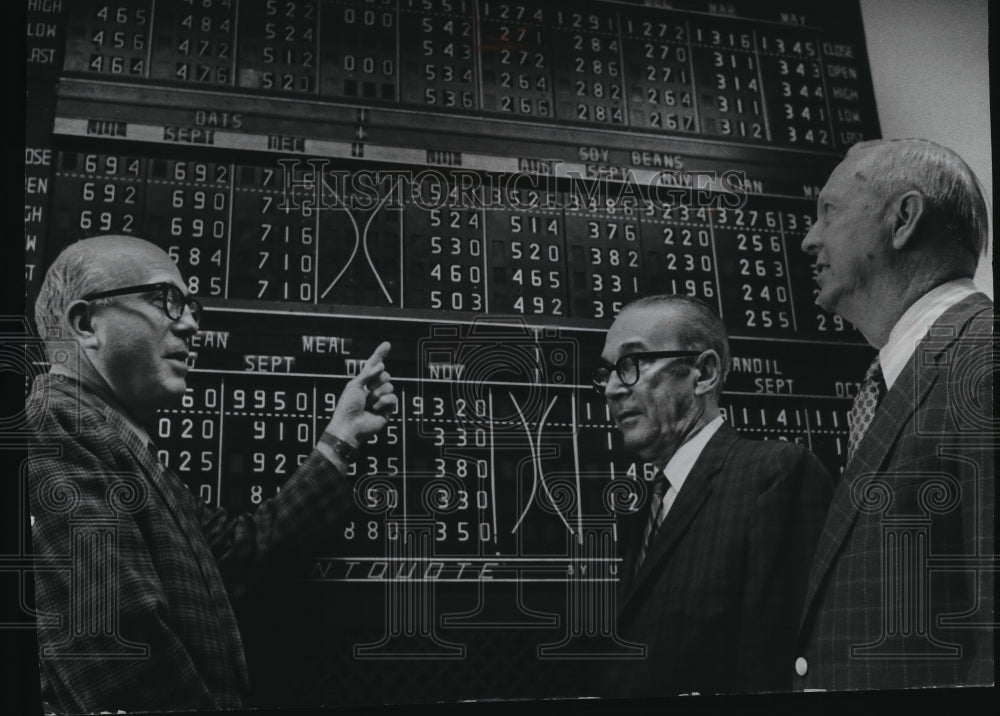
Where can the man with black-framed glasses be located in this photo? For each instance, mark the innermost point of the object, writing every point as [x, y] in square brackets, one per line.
[172, 299]
[134, 574]
[716, 555]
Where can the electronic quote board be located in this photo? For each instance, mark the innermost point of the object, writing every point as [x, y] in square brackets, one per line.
[485, 184]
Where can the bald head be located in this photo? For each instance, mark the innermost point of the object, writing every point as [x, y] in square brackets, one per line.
[97, 264]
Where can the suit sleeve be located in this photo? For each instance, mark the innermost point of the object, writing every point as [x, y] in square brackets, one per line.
[70, 479]
[784, 528]
[309, 507]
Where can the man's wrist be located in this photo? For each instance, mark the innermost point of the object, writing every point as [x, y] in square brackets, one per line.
[340, 447]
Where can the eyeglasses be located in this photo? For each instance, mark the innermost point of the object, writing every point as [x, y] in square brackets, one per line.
[627, 367]
[172, 299]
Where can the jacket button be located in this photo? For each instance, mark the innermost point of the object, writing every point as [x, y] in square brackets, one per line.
[801, 666]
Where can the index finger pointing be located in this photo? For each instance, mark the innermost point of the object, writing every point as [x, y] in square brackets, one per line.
[375, 363]
[379, 354]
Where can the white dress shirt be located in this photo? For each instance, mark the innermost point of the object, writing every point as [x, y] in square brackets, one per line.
[679, 466]
[913, 325]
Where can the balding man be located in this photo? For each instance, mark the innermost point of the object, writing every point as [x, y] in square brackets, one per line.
[716, 557]
[136, 572]
[901, 588]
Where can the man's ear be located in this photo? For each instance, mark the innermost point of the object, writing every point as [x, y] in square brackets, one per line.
[708, 370]
[80, 321]
[904, 217]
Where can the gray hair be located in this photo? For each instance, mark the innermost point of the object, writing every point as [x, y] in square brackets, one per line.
[952, 192]
[700, 328]
[74, 274]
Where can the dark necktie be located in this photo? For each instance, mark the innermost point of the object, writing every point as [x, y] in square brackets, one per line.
[660, 487]
[865, 402]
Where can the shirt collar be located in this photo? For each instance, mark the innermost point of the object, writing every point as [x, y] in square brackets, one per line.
[913, 325]
[679, 466]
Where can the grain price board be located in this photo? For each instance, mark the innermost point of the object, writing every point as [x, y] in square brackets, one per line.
[485, 184]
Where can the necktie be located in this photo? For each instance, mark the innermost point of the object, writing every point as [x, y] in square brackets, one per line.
[865, 402]
[660, 487]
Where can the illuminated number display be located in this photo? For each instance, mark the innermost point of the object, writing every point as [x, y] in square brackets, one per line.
[679, 253]
[189, 438]
[194, 42]
[278, 45]
[605, 65]
[528, 249]
[661, 87]
[273, 431]
[110, 38]
[605, 260]
[358, 50]
[516, 61]
[442, 69]
[730, 85]
[104, 193]
[448, 264]
[798, 95]
[753, 261]
[189, 205]
[274, 245]
[588, 75]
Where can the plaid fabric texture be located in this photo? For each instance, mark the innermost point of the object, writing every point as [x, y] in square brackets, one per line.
[717, 597]
[163, 636]
[901, 589]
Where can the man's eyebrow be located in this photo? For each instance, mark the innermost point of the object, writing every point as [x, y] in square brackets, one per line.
[636, 343]
[824, 200]
[633, 346]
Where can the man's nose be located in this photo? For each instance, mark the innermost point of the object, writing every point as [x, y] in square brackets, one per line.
[810, 244]
[187, 323]
[614, 386]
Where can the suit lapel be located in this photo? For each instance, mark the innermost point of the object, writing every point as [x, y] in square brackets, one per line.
[697, 488]
[166, 485]
[895, 411]
[631, 528]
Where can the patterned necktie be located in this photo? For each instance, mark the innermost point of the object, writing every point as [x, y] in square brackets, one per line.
[865, 402]
[660, 487]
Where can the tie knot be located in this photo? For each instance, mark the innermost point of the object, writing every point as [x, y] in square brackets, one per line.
[660, 484]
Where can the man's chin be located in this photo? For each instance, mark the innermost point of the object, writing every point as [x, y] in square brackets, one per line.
[636, 443]
[829, 299]
[169, 394]
[177, 393]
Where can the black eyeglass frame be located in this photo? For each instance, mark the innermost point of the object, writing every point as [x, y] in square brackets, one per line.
[164, 288]
[600, 376]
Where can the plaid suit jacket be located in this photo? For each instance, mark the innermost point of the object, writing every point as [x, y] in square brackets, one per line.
[134, 573]
[716, 598]
[900, 591]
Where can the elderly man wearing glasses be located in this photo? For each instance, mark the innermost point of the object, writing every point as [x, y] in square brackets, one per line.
[715, 559]
[134, 574]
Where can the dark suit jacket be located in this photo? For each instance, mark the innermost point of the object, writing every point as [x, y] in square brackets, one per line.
[716, 598]
[164, 635]
[900, 579]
